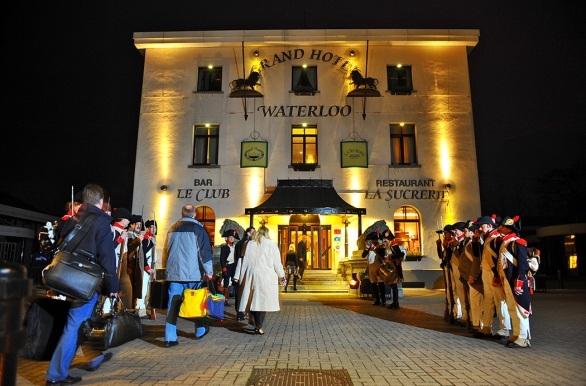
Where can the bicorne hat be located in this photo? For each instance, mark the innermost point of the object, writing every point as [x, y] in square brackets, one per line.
[119, 213]
[231, 232]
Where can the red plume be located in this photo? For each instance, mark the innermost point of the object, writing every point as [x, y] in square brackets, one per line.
[516, 218]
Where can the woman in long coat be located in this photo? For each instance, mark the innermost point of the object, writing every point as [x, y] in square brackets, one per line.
[258, 274]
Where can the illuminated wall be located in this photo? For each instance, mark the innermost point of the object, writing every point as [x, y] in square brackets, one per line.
[440, 109]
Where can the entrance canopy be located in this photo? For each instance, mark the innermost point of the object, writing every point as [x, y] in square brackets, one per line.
[306, 197]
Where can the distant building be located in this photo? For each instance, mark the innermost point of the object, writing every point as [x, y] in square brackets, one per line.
[342, 128]
[563, 248]
[19, 227]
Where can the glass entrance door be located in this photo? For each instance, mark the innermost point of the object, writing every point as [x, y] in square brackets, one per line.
[319, 248]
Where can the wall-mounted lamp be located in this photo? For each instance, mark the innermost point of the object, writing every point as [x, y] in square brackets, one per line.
[447, 186]
[354, 283]
[164, 188]
[256, 53]
[352, 53]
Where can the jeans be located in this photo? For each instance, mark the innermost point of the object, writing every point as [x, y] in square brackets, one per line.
[176, 289]
[67, 346]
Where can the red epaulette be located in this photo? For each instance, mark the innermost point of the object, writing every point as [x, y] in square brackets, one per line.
[522, 242]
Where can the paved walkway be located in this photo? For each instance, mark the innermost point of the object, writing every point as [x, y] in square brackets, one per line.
[377, 346]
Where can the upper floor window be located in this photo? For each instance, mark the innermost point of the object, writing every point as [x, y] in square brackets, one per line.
[304, 147]
[400, 80]
[403, 147]
[205, 144]
[209, 79]
[304, 80]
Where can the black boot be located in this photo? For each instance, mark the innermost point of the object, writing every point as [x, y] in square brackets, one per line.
[375, 294]
[382, 293]
[395, 304]
[294, 282]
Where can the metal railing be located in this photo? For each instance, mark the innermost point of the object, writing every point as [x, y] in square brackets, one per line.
[8, 252]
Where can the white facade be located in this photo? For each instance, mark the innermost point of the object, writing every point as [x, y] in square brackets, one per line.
[440, 108]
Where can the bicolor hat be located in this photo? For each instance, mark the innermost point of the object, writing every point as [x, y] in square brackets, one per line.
[231, 232]
[135, 218]
[121, 213]
[373, 236]
[447, 228]
[490, 220]
[388, 235]
[512, 223]
[472, 226]
[148, 223]
[77, 197]
[460, 225]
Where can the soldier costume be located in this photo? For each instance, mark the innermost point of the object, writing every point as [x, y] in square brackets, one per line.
[512, 269]
[374, 263]
[471, 272]
[228, 261]
[395, 255]
[135, 267]
[494, 299]
[119, 236]
[457, 245]
[149, 245]
[445, 254]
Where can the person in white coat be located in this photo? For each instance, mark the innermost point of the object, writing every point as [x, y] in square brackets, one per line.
[258, 274]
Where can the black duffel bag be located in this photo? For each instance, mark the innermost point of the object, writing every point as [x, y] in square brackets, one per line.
[121, 326]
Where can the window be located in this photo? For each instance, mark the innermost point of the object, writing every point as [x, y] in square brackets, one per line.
[399, 79]
[207, 217]
[403, 149]
[304, 80]
[209, 79]
[205, 144]
[408, 228]
[304, 147]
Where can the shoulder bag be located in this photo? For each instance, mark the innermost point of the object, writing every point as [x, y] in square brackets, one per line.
[74, 274]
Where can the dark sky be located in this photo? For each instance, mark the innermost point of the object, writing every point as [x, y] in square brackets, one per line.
[72, 82]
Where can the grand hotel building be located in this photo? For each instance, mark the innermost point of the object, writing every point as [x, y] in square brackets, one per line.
[309, 149]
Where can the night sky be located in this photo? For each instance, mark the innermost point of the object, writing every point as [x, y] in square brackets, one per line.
[72, 84]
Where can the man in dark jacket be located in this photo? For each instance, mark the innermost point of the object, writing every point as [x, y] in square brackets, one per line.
[239, 251]
[98, 241]
[187, 245]
[302, 255]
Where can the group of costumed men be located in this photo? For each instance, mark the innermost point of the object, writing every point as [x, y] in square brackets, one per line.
[488, 268]
[135, 253]
[384, 265]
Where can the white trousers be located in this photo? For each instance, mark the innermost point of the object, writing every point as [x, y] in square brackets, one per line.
[460, 294]
[141, 303]
[521, 333]
[476, 307]
[493, 299]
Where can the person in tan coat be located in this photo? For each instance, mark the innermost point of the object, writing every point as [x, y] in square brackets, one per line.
[258, 273]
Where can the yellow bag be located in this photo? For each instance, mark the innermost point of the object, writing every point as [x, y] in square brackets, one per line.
[194, 303]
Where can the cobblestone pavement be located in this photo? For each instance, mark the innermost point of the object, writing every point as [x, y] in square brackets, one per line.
[377, 346]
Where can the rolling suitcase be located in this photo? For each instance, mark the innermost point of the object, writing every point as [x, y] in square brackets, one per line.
[159, 294]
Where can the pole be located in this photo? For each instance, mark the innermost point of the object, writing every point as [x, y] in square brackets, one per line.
[154, 267]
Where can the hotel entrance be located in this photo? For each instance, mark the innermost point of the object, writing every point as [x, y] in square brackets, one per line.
[319, 248]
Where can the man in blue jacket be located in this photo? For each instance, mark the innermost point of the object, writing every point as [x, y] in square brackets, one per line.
[98, 242]
[186, 246]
